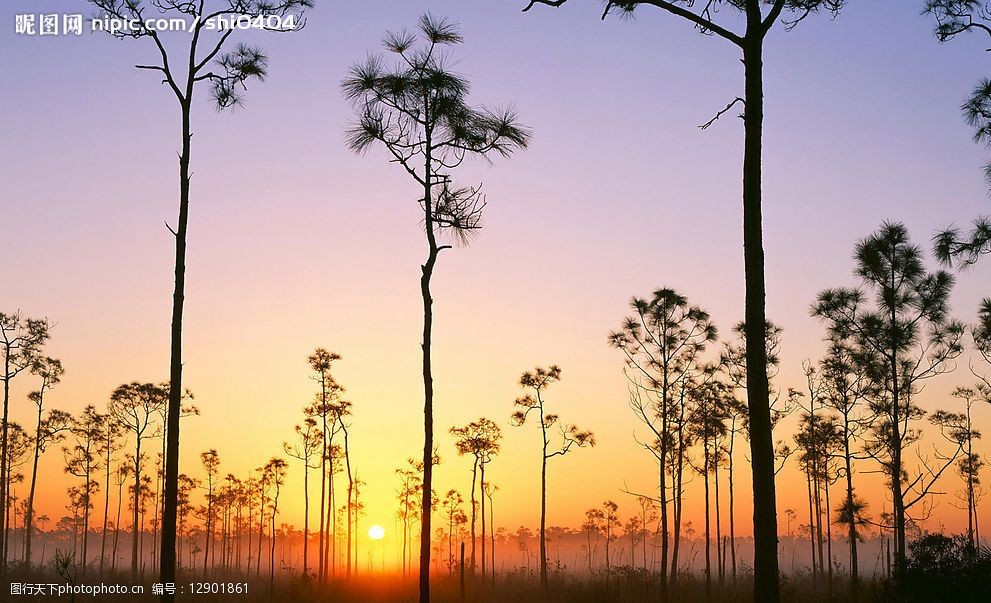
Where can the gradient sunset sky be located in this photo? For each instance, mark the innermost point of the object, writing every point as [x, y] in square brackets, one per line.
[295, 242]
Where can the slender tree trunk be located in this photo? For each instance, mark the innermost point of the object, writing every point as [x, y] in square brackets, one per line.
[322, 562]
[766, 587]
[271, 554]
[812, 521]
[852, 535]
[120, 503]
[261, 535]
[897, 494]
[708, 534]
[86, 508]
[306, 512]
[29, 509]
[208, 534]
[971, 502]
[492, 532]
[136, 528]
[330, 553]
[347, 462]
[167, 559]
[732, 511]
[474, 518]
[3, 460]
[482, 492]
[817, 499]
[662, 478]
[678, 497]
[428, 379]
[719, 525]
[357, 531]
[543, 509]
[829, 540]
[106, 503]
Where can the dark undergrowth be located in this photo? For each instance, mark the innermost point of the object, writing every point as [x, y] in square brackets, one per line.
[940, 569]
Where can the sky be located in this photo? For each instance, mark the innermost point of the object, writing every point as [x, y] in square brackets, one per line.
[296, 242]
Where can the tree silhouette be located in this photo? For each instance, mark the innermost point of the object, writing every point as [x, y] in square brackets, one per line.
[124, 471]
[981, 333]
[955, 17]
[187, 485]
[418, 110]
[455, 516]
[340, 411]
[18, 453]
[410, 484]
[962, 430]
[211, 466]
[846, 385]
[198, 61]
[951, 245]
[320, 361]
[571, 435]
[733, 362]
[611, 525]
[593, 527]
[820, 439]
[903, 338]
[49, 430]
[309, 446]
[21, 339]
[488, 491]
[109, 444]
[83, 460]
[707, 425]
[480, 439]
[134, 406]
[750, 43]
[275, 475]
[663, 342]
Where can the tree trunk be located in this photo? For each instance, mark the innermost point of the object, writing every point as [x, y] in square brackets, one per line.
[29, 509]
[732, 512]
[829, 541]
[136, 528]
[482, 492]
[766, 587]
[543, 510]
[120, 503]
[167, 558]
[3, 460]
[426, 272]
[812, 522]
[208, 535]
[678, 481]
[492, 532]
[817, 498]
[662, 477]
[428, 417]
[306, 512]
[719, 525]
[106, 502]
[708, 534]
[347, 462]
[474, 519]
[852, 535]
[330, 554]
[322, 562]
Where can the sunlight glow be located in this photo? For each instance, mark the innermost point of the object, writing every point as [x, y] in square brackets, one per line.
[376, 532]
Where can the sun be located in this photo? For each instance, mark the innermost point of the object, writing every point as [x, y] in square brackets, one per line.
[376, 532]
